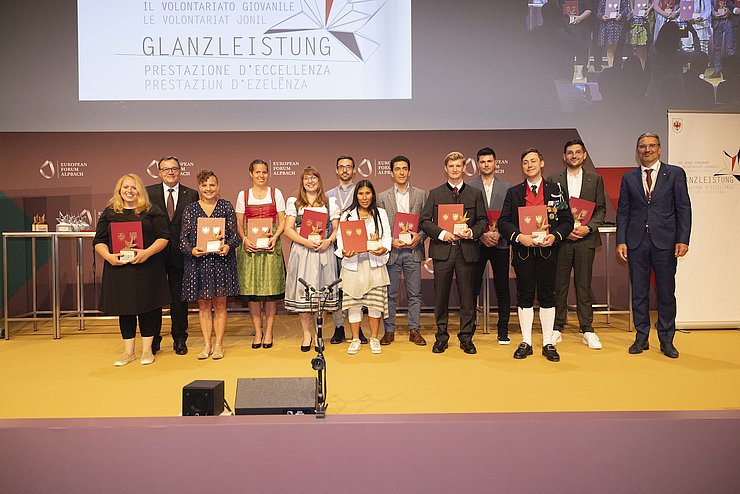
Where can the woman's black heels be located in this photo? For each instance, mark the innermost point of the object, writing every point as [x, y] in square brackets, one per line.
[258, 345]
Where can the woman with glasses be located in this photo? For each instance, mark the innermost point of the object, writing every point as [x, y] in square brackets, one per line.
[261, 269]
[311, 259]
[209, 277]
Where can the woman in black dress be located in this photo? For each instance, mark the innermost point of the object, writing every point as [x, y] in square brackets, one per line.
[137, 288]
[209, 278]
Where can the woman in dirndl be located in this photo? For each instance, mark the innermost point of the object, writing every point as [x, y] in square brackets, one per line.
[261, 270]
[311, 259]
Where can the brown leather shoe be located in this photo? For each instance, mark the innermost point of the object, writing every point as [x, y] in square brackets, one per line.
[387, 338]
[416, 337]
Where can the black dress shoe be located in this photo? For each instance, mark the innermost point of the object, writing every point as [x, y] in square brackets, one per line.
[551, 353]
[669, 350]
[468, 347]
[180, 347]
[265, 345]
[439, 346]
[258, 345]
[338, 336]
[523, 351]
[305, 348]
[638, 346]
[156, 342]
[363, 340]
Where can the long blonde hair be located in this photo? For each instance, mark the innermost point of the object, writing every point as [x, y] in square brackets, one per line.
[116, 202]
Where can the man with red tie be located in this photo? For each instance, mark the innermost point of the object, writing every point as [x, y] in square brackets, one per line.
[535, 260]
[653, 229]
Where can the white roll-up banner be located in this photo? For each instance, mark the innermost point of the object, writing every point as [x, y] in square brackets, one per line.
[707, 146]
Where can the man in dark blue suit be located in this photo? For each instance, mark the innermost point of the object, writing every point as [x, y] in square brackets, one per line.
[653, 229]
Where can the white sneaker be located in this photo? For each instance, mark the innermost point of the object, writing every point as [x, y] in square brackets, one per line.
[124, 359]
[354, 346]
[557, 337]
[147, 358]
[592, 340]
[375, 345]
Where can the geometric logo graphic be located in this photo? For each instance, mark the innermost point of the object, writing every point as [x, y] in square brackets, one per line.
[47, 170]
[366, 168]
[470, 168]
[153, 169]
[343, 19]
[729, 166]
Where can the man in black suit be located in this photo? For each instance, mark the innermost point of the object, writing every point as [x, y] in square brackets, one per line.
[535, 259]
[653, 229]
[577, 251]
[454, 254]
[172, 197]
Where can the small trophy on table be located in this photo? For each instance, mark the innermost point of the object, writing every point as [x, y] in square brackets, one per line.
[39, 223]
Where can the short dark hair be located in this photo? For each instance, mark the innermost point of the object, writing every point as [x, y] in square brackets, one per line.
[398, 158]
[258, 162]
[531, 150]
[346, 157]
[485, 152]
[573, 142]
[168, 158]
[647, 134]
[204, 175]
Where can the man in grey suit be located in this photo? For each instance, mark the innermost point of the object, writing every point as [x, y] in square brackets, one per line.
[404, 257]
[493, 247]
[172, 197]
[577, 251]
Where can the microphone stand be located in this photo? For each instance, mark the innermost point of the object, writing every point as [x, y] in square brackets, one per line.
[318, 363]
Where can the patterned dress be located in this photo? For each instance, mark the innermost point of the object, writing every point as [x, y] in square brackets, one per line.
[612, 30]
[211, 275]
[318, 269]
[261, 274]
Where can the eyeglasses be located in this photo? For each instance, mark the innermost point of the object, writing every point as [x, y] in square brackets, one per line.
[652, 145]
[310, 178]
[171, 169]
[345, 167]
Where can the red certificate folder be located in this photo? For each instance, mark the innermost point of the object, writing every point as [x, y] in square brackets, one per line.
[582, 210]
[493, 217]
[210, 234]
[611, 11]
[313, 224]
[405, 224]
[533, 219]
[259, 231]
[126, 235]
[687, 10]
[448, 215]
[354, 235]
[570, 7]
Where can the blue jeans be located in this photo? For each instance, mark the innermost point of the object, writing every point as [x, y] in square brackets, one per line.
[412, 275]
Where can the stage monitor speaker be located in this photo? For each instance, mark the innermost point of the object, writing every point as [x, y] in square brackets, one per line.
[276, 396]
[203, 398]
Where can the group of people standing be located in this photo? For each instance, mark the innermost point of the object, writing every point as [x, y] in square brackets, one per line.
[654, 221]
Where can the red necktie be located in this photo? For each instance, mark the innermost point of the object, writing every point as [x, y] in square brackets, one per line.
[649, 181]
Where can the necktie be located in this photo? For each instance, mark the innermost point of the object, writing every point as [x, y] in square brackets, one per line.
[649, 181]
[534, 190]
[171, 204]
[455, 192]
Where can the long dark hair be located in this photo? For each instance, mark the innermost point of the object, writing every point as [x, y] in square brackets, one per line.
[372, 209]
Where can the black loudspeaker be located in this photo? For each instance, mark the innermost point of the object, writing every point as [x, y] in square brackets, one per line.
[203, 398]
[276, 396]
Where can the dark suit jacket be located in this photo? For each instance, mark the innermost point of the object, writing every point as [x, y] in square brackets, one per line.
[668, 215]
[387, 201]
[472, 199]
[560, 226]
[173, 257]
[592, 189]
[497, 199]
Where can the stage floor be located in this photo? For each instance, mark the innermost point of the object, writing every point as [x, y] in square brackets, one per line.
[75, 376]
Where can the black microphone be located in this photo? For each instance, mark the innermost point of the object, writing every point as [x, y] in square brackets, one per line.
[332, 285]
[304, 283]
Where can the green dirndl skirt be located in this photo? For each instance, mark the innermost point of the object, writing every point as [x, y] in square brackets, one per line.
[261, 274]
